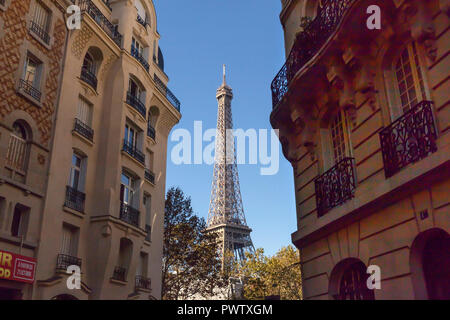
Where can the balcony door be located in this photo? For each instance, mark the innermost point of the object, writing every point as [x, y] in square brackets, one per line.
[69, 241]
[339, 137]
[127, 192]
[76, 173]
[131, 136]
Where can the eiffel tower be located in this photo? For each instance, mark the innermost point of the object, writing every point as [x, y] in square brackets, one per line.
[226, 213]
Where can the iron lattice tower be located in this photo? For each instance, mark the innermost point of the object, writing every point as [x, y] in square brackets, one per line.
[226, 213]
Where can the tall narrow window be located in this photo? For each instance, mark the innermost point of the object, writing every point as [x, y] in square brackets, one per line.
[89, 63]
[135, 45]
[77, 172]
[84, 112]
[69, 240]
[17, 148]
[19, 223]
[134, 89]
[410, 83]
[131, 135]
[40, 25]
[127, 189]
[339, 138]
[32, 71]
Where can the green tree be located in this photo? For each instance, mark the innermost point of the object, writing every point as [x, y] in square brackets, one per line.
[276, 275]
[191, 262]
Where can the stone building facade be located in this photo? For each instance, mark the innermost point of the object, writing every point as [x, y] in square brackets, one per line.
[364, 119]
[102, 208]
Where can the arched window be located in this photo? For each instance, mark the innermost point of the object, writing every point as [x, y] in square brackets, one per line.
[17, 154]
[353, 284]
[88, 63]
[91, 64]
[409, 78]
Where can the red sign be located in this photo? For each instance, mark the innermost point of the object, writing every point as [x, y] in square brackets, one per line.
[16, 267]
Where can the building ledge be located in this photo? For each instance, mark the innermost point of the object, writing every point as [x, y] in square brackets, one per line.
[370, 198]
[119, 282]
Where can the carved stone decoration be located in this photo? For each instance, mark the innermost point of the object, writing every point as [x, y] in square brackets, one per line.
[445, 6]
[423, 30]
[41, 159]
[311, 147]
[106, 230]
[82, 37]
[106, 65]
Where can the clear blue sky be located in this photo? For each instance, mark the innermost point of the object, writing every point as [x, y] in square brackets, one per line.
[197, 37]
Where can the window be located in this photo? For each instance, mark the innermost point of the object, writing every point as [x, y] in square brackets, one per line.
[148, 208]
[135, 45]
[339, 138]
[140, 10]
[32, 71]
[69, 240]
[40, 25]
[84, 112]
[19, 223]
[353, 284]
[409, 77]
[134, 89]
[127, 193]
[142, 265]
[89, 63]
[17, 154]
[76, 178]
[131, 135]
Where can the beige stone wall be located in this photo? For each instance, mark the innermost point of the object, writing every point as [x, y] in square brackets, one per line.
[379, 225]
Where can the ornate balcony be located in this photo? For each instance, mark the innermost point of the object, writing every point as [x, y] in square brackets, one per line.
[83, 129]
[167, 93]
[142, 282]
[308, 43]
[133, 151]
[148, 230]
[120, 273]
[40, 32]
[129, 214]
[88, 77]
[335, 186]
[87, 6]
[136, 104]
[141, 21]
[409, 139]
[149, 176]
[63, 261]
[151, 132]
[74, 199]
[28, 88]
[136, 54]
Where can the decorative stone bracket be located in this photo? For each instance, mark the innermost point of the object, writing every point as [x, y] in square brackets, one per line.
[423, 30]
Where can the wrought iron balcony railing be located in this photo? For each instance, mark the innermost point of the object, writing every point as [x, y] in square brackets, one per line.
[137, 55]
[308, 43]
[74, 199]
[151, 132]
[148, 230]
[150, 176]
[133, 151]
[335, 186]
[106, 2]
[141, 21]
[129, 214]
[88, 77]
[409, 139]
[87, 6]
[120, 273]
[63, 261]
[83, 129]
[136, 103]
[28, 88]
[40, 32]
[142, 282]
[167, 93]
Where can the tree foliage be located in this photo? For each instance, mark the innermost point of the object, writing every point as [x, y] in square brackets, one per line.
[276, 275]
[191, 262]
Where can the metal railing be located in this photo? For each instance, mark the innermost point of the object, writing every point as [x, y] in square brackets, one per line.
[167, 93]
[335, 186]
[142, 282]
[88, 77]
[40, 32]
[409, 139]
[136, 104]
[74, 199]
[17, 153]
[150, 176]
[308, 43]
[148, 230]
[137, 55]
[83, 129]
[63, 261]
[133, 151]
[106, 2]
[27, 87]
[129, 214]
[151, 132]
[87, 6]
[141, 21]
[120, 273]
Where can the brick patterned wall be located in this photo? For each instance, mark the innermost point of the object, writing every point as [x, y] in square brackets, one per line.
[15, 32]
